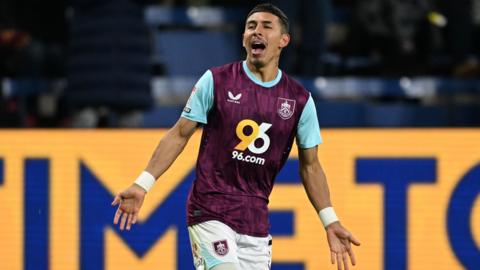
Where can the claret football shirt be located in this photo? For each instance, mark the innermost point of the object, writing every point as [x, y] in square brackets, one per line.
[249, 128]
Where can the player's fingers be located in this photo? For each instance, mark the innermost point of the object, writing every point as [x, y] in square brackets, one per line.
[354, 240]
[345, 260]
[332, 257]
[339, 261]
[116, 200]
[117, 216]
[352, 256]
[129, 222]
[124, 220]
[135, 217]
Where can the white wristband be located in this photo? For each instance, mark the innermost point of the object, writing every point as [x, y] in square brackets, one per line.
[328, 216]
[145, 180]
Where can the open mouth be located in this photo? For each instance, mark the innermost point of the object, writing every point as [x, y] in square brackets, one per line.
[258, 47]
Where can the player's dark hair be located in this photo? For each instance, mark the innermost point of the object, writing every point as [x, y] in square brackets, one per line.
[270, 8]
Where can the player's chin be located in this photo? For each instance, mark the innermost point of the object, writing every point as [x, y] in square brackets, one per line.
[257, 61]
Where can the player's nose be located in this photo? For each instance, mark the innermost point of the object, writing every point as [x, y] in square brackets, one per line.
[257, 33]
[257, 30]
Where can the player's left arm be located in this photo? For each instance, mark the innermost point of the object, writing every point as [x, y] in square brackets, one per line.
[315, 183]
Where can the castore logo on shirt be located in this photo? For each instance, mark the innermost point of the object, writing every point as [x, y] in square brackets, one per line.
[234, 99]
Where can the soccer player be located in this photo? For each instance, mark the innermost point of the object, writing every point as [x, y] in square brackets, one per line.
[251, 112]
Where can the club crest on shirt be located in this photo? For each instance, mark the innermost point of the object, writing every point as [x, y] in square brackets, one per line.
[221, 247]
[285, 108]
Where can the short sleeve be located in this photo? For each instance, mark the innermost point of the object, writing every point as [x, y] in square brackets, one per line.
[308, 129]
[201, 99]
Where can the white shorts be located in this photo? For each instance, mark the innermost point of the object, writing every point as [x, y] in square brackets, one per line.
[214, 243]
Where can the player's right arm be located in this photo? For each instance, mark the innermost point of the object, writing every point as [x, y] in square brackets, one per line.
[130, 200]
[196, 111]
[170, 146]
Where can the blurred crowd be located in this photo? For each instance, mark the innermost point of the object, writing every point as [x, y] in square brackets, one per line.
[96, 54]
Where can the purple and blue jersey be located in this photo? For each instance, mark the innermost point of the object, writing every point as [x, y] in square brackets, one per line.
[249, 128]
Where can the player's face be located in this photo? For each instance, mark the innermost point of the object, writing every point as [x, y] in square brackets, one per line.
[263, 38]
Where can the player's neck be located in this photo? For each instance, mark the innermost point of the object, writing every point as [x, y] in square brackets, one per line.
[265, 73]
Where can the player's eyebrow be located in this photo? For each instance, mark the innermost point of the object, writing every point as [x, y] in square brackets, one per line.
[264, 22]
[267, 22]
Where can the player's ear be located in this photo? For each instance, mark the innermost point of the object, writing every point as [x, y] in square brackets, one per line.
[284, 40]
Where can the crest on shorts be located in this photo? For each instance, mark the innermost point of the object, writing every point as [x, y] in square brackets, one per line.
[221, 247]
[285, 108]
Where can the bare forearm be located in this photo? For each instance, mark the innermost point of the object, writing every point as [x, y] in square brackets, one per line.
[315, 183]
[170, 147]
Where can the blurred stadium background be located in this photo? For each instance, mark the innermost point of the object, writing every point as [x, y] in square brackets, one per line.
[133, 63]
[381, 67]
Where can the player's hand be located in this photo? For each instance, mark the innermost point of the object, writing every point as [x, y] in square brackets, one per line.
[129, 203]
[340, 240]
